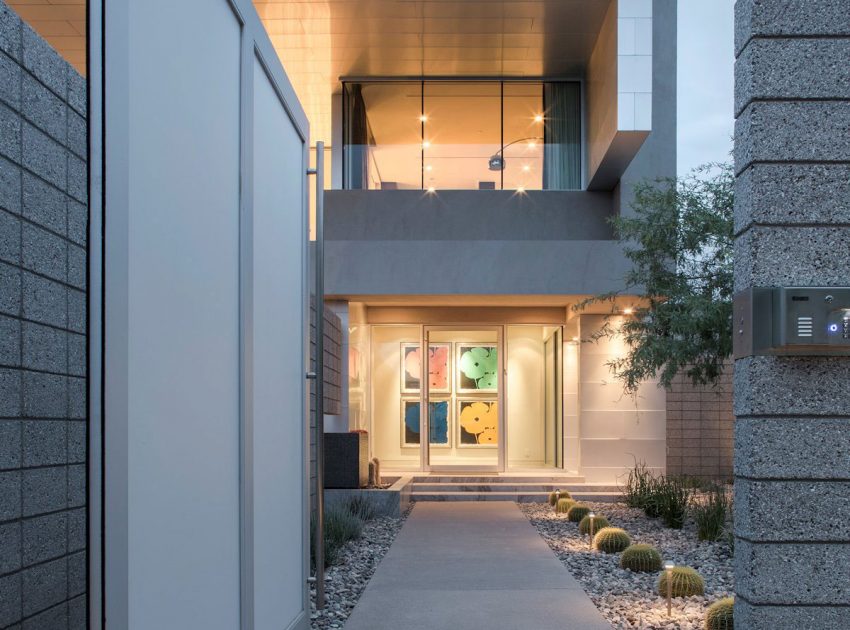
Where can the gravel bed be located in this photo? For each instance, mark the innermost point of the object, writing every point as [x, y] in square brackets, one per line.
[627, 599]
[346, 580]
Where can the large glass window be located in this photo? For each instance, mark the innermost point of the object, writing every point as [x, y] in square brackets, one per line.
[443, 135]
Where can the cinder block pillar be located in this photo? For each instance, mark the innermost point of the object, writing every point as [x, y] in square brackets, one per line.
[792, 220]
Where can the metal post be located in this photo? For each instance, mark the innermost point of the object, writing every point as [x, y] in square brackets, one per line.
[319, 371]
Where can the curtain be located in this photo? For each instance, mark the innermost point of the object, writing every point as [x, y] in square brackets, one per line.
[562, 136]
[357, 138]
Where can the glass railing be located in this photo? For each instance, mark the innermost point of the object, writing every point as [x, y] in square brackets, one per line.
[444, 135]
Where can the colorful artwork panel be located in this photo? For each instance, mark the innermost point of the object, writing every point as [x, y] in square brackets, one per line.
[411, 422]
[478, 423]
[438, 367]
[477, 368]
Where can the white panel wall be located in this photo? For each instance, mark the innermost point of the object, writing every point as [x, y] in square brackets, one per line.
[278, 369]
[614, 427]
[634, 65]
[204, 316]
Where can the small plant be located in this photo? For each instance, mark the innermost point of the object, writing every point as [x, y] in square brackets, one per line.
[599, 522]
[670, 498]
[340, 527]
[577, 512]
[362, 507]
[641, 559]
[611, 540]
[709, 512]
[686, 582]
[638, 485]
[719, 615]
[564, 505]
[558, 494]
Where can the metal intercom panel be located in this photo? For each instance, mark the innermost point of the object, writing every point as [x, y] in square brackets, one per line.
[792, 321]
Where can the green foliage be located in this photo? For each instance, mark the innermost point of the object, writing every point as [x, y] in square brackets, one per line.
[686, 582]
[670, 499]
[709, 511]
[340, 527]
[554, 496]
[362, 507]
[638, 486]
[719, 615]
[563, 506]
[611, 540]
[599, 522]
[577, 512]
[641, 558]
[678, 239]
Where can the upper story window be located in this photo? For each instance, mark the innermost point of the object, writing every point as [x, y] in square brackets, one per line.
[441, 135]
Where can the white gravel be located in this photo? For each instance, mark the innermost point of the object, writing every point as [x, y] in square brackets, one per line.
[627, 599]
[346, 580]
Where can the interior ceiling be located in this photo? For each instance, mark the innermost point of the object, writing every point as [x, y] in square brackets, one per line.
[320, 41]
[61, 22]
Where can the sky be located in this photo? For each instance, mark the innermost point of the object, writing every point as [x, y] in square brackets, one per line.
[705, 80]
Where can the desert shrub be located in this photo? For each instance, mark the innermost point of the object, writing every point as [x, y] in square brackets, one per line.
[638, 485]
[686, 582]
[577, 512]
[719, 615]
[599, 522]
[670, 499]
[340, 527]
[362, 507]
[641, 558]
[554, 496]
[564, 505]
[611, 540]
[710, 511]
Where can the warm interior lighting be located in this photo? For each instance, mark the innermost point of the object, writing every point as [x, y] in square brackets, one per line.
[426, 145]
[575, 338]
[520, 189]
[526, 167]
[532, 145]
[538, 118]
[428, 167]
[431, 189]
[628, 311]
[423, 118]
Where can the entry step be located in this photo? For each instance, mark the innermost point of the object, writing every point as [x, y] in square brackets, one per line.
[520, 489]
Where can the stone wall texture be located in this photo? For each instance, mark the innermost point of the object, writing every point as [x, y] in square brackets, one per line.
[700, 428]
[792, 222]
[43, 428]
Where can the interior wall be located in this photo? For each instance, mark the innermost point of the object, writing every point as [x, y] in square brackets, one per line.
[615, 429]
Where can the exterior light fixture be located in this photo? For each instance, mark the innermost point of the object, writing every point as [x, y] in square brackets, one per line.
[628, 311]
[520, 189]
[575, 338]
[668, 568]
[591, 516]
[538, 118]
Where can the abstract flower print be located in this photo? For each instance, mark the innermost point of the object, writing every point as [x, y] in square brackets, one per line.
[479, 422]
[478, 367]
[438, 368]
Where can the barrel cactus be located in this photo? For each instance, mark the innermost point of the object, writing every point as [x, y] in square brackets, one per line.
[599, 522]
[564, 505]
[558, 494]
[577, 512]
[611, 540]
[719, 615]
[641, 558]
[686, 582]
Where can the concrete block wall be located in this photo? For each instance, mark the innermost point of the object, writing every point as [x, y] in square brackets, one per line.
[792, 160]
[43, 432]
[700, 428]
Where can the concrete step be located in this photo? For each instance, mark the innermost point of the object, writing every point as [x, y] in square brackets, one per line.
[554, 480]
[510, 486]
[520, 497]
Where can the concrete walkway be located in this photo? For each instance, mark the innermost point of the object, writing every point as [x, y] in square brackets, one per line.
[472, 566]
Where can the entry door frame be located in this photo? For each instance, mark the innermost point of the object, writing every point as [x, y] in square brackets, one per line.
[424, 393]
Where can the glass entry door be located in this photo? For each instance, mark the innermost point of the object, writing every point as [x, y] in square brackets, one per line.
[464, 414]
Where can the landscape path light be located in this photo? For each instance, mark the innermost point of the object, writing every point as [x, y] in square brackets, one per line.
[591, 516]
[668, 567]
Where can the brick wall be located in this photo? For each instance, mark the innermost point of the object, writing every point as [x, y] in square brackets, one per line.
[700, 428]
[332, 381]
[43, 436]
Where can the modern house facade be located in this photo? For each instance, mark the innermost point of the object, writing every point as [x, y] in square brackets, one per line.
[477, 150]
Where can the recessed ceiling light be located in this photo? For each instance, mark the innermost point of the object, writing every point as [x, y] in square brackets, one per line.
[538, 118]
[429, 167]
[431, 189]
[526, 167]
[426, 144]
[423, 118]
[532, 145]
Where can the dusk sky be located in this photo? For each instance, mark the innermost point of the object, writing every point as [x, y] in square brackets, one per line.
[705, 82]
